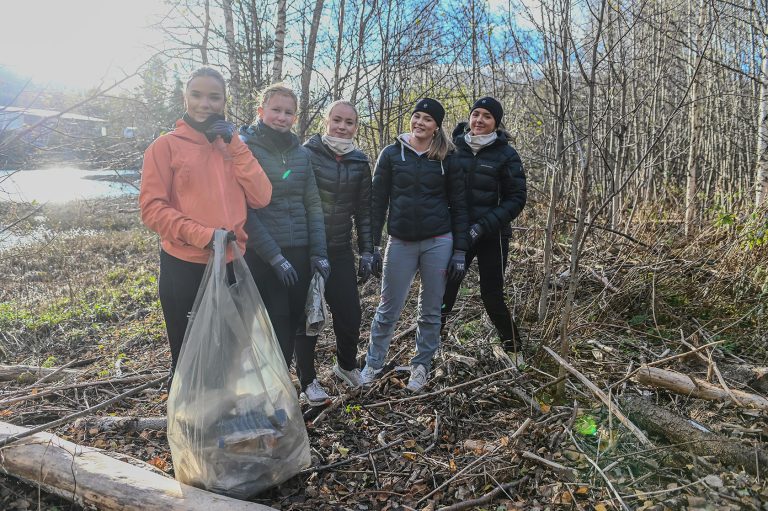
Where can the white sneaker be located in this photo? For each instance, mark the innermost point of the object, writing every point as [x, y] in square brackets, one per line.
[419, 378]
[315, 393]
[351, 377]
[368, 374]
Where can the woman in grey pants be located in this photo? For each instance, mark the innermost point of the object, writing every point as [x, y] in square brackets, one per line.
[427, 224]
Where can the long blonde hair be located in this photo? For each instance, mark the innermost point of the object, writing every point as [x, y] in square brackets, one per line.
[441, 146]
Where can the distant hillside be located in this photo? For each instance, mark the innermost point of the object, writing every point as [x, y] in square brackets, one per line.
[10, 85]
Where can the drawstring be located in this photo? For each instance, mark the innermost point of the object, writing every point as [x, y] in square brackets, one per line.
[442, 170]
[402, 151]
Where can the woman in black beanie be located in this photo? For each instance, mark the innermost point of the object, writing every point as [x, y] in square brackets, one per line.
[422, 196]
[496, 194]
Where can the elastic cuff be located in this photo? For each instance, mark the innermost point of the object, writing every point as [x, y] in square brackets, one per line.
[279, 257]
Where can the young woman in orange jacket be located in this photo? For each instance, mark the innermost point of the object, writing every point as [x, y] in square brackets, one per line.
[196, 179]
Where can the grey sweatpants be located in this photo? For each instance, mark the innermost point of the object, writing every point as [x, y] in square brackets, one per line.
[401, 261]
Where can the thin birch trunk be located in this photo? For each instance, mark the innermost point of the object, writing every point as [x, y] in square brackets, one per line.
[277, 64]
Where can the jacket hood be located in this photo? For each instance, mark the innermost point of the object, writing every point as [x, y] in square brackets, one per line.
[187, 132]
[315, 143]
[502, 137]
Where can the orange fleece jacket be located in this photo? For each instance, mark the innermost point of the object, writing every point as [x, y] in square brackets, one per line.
[190, 187]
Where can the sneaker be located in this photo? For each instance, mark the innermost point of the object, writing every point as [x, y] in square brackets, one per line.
[368, 374]
[351, 377]
[419, 378]
[315, 394]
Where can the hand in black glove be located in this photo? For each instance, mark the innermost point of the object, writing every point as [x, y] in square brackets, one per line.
[223, 129]
[457, 268]
[377, 264]
[231, 236]
[474, 233]
[322, 266]
[366, 266]
[284, 270]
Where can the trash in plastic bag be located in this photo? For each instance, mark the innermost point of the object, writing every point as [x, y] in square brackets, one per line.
[234, 422]
[315, 309]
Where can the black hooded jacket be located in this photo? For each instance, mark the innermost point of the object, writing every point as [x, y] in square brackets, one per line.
[424, 198]
[494, 181]
[294, 217]
[344, 183]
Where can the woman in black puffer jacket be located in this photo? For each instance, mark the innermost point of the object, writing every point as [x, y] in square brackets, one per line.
[422, 197]
[496, 194]
[343, 177]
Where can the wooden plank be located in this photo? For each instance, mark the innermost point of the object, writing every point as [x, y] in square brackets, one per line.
[89, 477]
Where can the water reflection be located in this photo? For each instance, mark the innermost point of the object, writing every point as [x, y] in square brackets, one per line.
[64, 184]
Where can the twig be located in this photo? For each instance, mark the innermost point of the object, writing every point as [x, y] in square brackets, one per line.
[485, 499]
[517, 433]
[350, 459]
[567, 473]
[441, 391]
[55, 390]
[602, 474]
[612, 407]
[52, 374]
[81, 413]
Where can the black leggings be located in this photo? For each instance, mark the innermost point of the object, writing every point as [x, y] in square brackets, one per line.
[344, 303]
[285, 306]
[179, 281]
[492, 253]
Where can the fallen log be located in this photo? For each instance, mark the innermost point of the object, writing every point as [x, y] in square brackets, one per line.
[28, 374]
[677, 430]
[685, 385]
[88, 477]
[128, 424]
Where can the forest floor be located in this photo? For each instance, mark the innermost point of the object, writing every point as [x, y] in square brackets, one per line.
[85, 294]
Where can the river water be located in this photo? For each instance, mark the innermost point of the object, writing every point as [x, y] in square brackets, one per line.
[65, 184]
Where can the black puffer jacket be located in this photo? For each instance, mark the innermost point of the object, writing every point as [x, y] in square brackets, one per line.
[294, 217]
[345, 192]
[494, 180]
[424, 197]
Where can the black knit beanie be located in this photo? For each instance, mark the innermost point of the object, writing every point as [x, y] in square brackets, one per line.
[432, 107]
[493, 106]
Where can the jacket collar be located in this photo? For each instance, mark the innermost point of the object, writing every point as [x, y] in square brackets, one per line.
[187, 132]
[502, 137]
[315, 143]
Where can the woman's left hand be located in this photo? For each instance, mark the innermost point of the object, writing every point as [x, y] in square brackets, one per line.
[457, 268]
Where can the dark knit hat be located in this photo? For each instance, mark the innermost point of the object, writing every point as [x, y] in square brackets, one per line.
[432, 107]
[492, 105]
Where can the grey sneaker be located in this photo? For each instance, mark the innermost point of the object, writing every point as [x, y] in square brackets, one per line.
[315, 394]
[368, 374]
[351, 377]
[419, 378]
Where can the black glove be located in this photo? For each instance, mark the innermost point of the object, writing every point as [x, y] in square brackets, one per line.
[457, 268]
[366, 266]
[285, 271]
[223, 129]
[322, 266]
[474, 233]
[231, 236]
[377, 264]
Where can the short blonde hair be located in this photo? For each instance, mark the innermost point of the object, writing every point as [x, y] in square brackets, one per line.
[278, 89]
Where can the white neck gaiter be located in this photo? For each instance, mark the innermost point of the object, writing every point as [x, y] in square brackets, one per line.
[340, 146]
[477, 142]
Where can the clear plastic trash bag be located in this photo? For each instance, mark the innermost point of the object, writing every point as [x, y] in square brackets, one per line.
[234, 422]
[315, 308]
